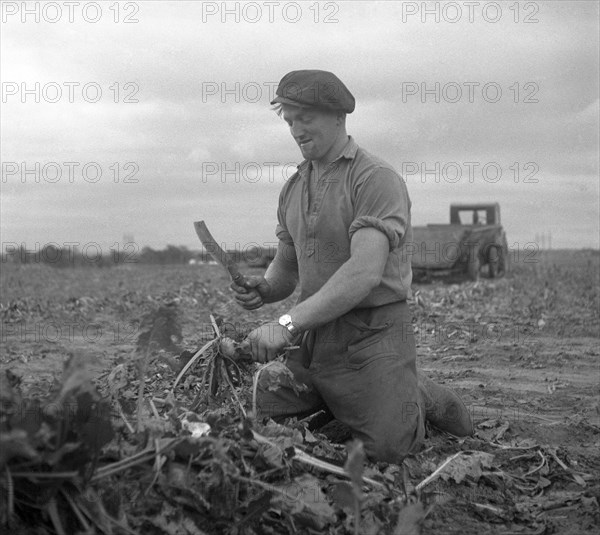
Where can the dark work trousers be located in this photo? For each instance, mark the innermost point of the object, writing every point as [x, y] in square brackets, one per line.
[362, 368]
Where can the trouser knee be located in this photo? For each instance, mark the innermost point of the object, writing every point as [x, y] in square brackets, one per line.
[393, 442]
[384, 452]
[267, 408]
[389, 449]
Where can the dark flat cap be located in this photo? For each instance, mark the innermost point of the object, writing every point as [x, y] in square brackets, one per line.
[315, 89]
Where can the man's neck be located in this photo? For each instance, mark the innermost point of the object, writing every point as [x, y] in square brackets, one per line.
[332, 154]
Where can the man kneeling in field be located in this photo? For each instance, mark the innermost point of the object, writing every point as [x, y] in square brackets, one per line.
[343, 230]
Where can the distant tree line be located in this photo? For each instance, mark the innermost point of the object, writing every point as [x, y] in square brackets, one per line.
[91, 255]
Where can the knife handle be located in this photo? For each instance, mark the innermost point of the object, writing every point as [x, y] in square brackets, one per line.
[236, 276]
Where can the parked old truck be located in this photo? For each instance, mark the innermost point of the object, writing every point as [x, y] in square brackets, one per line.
[472, 243]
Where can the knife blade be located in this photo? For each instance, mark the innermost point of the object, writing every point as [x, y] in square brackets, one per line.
[216, 251]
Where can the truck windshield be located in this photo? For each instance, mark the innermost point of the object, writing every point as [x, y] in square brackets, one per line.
[473, 217]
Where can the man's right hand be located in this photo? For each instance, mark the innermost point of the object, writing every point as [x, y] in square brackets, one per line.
[252, 295]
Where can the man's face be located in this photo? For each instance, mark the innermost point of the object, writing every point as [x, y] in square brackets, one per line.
[314, 131]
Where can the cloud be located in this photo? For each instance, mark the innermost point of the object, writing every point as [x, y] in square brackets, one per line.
[204, 86]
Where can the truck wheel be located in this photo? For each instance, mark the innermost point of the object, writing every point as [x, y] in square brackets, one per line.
[420, 275]
[504, 262]
[473, 265]
[498, 259]
[494, 262]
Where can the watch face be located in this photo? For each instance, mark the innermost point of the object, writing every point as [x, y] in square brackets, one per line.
[285, 320]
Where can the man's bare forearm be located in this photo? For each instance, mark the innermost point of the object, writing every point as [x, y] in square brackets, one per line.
[282, 274]
[349, 285]
[347, 288]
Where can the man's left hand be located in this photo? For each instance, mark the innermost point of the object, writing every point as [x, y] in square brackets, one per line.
[251, 296]
[267, 341]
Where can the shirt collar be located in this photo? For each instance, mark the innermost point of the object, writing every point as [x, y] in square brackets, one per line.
[348, 152]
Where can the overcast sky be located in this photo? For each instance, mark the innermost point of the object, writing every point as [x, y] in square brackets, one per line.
[168, 107]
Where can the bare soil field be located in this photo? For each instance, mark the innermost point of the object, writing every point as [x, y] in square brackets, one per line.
[523, 351]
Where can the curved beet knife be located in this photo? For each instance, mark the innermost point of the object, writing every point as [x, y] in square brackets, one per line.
[223, 257]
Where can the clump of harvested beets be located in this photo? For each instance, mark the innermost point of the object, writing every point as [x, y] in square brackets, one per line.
[232, 349]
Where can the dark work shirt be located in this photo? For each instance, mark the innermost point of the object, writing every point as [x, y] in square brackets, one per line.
[356, 190]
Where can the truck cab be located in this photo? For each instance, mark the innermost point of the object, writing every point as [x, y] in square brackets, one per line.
[475, 214]
[473, 239]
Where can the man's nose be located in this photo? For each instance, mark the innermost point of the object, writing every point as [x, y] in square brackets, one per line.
[296, 130]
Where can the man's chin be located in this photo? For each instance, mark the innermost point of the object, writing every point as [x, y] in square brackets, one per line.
[308, 154]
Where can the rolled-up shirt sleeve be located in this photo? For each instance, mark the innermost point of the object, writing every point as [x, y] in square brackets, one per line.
[382, 202]
[281, 230]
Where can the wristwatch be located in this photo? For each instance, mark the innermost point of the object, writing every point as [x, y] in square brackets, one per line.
[286, 321]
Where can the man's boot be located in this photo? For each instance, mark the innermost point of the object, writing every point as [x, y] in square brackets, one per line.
[444, 408]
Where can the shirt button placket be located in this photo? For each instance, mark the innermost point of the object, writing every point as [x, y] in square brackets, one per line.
[310, 242]
[306, 214]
